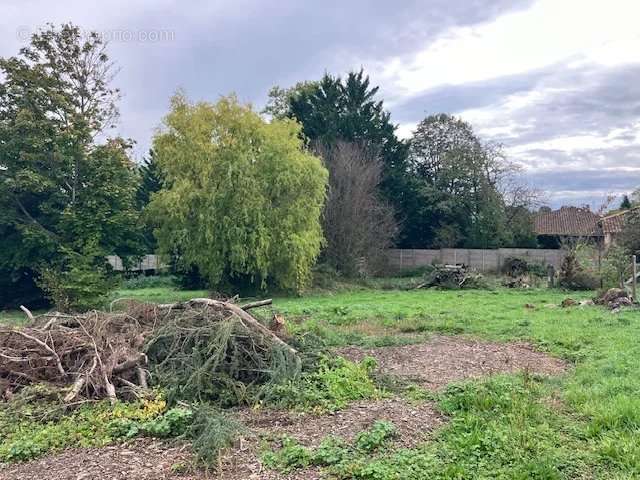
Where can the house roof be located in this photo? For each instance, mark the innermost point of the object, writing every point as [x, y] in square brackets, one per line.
[614, 223]
[568, 221]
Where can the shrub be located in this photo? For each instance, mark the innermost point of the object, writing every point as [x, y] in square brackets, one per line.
[80, 285]
[325, 276]
[331, 387]
[577, 271]
[516, 267]
[376, 436]
[149, 281]
[615, 267]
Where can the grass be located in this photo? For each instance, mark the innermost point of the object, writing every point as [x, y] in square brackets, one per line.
[585, 424]
[593, 426]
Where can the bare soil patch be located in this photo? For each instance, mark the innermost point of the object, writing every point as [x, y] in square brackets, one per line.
[141, 459]
[414, 422]
[445, 359]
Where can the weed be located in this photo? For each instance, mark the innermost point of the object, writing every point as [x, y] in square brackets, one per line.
[331, 387]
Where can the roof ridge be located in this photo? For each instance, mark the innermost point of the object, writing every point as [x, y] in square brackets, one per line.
[617, 214]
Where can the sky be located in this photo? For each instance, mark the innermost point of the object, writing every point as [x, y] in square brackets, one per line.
[557, 82]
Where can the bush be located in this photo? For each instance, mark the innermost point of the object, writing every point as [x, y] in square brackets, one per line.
[81, 285]
[325, 276]
[517, 267]
[149, 281]
[574, 276]
[616, 267]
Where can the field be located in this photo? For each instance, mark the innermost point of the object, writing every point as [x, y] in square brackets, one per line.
[575, 418]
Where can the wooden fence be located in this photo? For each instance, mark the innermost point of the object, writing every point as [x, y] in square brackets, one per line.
[484, 260]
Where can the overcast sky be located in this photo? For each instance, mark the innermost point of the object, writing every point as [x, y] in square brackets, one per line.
[556, 81]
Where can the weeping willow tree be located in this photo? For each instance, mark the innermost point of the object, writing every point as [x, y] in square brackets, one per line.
[242, 198]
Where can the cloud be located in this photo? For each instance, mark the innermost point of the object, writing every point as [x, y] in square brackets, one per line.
[555, 81]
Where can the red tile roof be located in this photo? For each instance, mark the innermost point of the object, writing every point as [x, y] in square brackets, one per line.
[568, 221]
[614, 223]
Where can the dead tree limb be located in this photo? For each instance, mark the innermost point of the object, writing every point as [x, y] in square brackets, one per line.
[46, 347]
[260, 303]
[27, 313]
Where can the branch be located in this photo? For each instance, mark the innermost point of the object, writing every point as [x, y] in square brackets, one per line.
[27, 313]
[46, 347]
[247, 320]
[130, 363]
[260, 303]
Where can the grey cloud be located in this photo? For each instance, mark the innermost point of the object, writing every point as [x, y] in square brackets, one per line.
[456, 98]
[246, 46]
[250, 45]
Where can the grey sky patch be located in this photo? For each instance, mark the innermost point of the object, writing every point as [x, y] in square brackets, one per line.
[213, 48]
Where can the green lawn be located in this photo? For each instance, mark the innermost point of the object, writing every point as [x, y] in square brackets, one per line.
[594, 430]
[585, 424]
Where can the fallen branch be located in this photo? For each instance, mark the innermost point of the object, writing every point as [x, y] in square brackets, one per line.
[130, 363]
[260, 303]
[46, 347]
[28, 313]
[247, 320]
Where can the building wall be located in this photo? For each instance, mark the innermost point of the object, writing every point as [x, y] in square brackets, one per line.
[483, 260]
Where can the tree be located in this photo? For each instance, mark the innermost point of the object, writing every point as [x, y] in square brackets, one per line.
[150, 179]
[630, 236]
[62, 195]
[626, 203]
[333, 109]
[242, 198]
[466, 195]
[150, 183]
[357, 223]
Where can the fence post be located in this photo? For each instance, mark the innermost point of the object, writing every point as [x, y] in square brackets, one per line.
[634, 281]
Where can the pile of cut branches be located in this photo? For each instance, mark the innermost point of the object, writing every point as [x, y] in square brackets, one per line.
[452, 277]
[110, 355]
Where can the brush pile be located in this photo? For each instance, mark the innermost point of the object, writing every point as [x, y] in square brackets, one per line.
[452, 277]
[202, 345]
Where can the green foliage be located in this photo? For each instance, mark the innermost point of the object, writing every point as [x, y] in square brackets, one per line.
[150, 183]
[376, 436]
[456, 190]
[332, 452]
[630, 236]
[211, 431]
[616, 267]
[36, 423]
[149, 281]
[337, 109]
[515, 267]
[61, 194]
[498, 429]
[30, 429]
[625, 204]
[201, 360]
[331, 387]
[242, 198]
[577, 271]
[80, 285]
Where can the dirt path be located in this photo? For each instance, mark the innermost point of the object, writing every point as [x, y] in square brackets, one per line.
[444, 360]
[433, 365]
